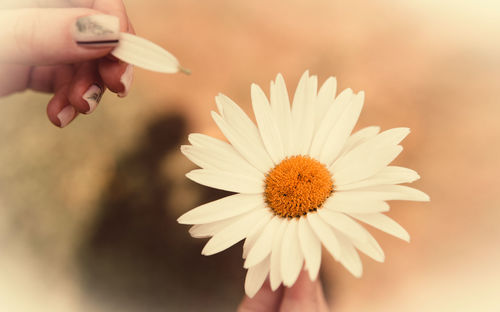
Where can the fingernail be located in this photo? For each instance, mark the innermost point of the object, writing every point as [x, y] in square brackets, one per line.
[126, 80]
[92, 96]
[66, 115]
[96, 31]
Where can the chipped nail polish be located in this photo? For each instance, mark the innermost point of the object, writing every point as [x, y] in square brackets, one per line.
[66, 115]
[92, 96]
[126, 80]
[98, 30]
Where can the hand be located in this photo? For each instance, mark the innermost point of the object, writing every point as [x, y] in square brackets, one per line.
[304, 295]
[63, 48]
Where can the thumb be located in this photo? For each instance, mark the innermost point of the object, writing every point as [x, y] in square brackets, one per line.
[56, 36]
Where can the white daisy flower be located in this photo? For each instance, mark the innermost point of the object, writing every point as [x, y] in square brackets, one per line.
[301, 180]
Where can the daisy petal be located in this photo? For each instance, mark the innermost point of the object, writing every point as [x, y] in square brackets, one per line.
[386, 192]
[254, 152]
[394, 136]
[328, 122]
[210, 229]
[236, 118]
[234, 232]
[344, 224]
[253, 235]
[256, 276]
[306, 129]
[298, 108]
[383, 223]
[268, 128]
[355, 166]
[311, 248]
[280, 104]
[326, 96]
[325, 234]
[291, 255]
[340, 203]
[211, 153]
[359, 236]
[264, 243]
[350, 257]
[341, 130]
[275, 276]
[359, 137]
[303, 116]
[226, 181]
[223, 208]
[388, 175]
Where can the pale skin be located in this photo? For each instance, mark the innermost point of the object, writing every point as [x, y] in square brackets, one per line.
[39, 53]
[304, 295]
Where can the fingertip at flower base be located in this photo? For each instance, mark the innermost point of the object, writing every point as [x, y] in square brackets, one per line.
[302, 181]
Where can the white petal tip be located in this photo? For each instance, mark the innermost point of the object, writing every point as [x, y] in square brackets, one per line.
[184, 70]
[245, 264]
[184, 148]
[250, 293]
[205, 252]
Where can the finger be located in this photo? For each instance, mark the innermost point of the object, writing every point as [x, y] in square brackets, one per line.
[59, 110]
[42, 78]
[113, 7]
[117, 75]
[304, 295]
[13, 78]
[56, 36]
[11, 4]
[86, 88]
[264, 300]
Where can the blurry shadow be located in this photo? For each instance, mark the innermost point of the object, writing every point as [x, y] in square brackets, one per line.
[136, 257]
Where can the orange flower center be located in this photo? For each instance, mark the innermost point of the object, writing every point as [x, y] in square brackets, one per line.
[296, 186]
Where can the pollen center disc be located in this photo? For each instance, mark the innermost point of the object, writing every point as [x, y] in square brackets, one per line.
[296, 186]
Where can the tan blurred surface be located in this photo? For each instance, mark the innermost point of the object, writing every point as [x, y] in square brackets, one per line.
[87, 214]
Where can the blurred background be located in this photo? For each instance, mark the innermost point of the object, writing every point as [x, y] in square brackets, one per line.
[87, 214]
